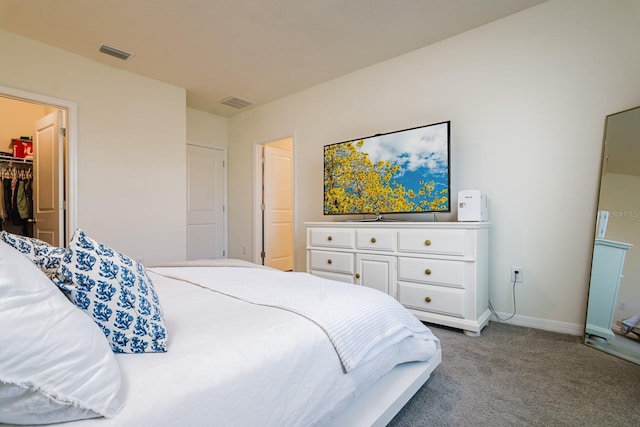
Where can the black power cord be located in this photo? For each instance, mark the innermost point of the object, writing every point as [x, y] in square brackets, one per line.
[515, 278]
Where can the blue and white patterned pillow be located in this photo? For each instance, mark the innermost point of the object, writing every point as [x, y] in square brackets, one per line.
[116, 292]
[42, 254]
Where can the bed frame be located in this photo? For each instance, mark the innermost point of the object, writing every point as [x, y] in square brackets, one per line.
[387, 396]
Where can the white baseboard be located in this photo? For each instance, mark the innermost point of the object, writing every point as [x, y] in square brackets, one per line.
[544, 324]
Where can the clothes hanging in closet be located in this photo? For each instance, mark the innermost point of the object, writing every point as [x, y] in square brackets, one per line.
[8, 205]
[15, 215]
[16, 207]
[3, 212]
[21, 199]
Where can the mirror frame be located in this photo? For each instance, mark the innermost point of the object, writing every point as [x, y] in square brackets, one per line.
[607, 265]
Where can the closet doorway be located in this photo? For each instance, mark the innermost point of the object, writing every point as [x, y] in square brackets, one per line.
[38, 171]
[274, 235]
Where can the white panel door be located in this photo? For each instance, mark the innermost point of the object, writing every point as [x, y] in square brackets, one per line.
[47, 191]
[278, 208]
[205, 203]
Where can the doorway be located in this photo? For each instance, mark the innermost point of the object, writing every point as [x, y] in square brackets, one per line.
[274, 204]
[43, 124]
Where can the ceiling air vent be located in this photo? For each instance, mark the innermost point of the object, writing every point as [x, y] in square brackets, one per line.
[120, 54]
[236, 102]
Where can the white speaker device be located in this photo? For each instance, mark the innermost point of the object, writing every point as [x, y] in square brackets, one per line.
[472, 206]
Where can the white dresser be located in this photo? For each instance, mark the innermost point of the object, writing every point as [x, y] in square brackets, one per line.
[438, 270]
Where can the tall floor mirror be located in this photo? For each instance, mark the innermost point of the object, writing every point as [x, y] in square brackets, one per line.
[613, 312]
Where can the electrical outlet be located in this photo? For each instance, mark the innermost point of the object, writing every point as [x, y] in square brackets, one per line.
[622, 306]
[517, 274]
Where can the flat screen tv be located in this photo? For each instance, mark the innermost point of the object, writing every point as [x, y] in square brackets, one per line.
[405, 171]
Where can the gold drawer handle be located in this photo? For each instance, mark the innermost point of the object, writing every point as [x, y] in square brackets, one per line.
[427, 271]
[357, 275]
[427, 299]
[329, 261]
[373, 240]
[427, 242]
[329, 238]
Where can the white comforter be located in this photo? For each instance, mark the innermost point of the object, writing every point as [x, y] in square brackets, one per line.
[233, 363]
[360, 322]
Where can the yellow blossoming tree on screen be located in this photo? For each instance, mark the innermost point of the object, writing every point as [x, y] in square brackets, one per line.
[354, 184]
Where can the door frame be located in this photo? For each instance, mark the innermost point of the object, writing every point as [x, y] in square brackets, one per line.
[257, 195]
[69, 173]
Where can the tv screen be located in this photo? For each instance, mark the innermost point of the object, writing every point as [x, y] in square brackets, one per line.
[406, 171]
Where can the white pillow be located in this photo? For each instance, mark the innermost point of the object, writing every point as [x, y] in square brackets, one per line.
[116, 292]
[55, 364]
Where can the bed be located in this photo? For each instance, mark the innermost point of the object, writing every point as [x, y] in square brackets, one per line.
[246, 346]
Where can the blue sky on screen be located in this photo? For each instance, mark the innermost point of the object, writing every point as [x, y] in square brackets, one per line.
[421, 151]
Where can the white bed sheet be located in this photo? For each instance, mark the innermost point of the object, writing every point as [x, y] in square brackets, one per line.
[232, 363]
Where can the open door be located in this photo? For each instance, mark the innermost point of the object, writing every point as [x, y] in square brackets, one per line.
[48, 194]
[278, 207]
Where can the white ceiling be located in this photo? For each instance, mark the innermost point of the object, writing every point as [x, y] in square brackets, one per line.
[259, 50]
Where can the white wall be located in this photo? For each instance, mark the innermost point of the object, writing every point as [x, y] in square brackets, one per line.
[16, 120]
[131, 158]
[527, 97]
[206, 129]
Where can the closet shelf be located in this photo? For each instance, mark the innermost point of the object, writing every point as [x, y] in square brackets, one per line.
[15, 159]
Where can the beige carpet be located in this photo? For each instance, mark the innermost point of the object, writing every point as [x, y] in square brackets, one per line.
[515, 376]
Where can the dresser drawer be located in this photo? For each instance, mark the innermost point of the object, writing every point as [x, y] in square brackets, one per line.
[435, 299]
[443, 242]
[377, 240]
[332, 238]
[432, 271]
[337, 262]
